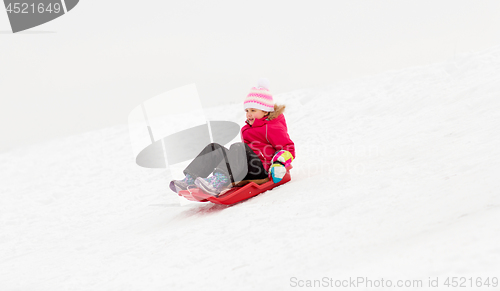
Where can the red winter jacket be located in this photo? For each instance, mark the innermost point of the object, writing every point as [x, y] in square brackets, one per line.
[268, 135]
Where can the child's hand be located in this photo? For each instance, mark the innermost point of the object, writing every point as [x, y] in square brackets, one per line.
[283, 157]
[277, 172]
[280, 161]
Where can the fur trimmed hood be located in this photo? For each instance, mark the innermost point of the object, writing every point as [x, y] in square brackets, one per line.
[278, 110]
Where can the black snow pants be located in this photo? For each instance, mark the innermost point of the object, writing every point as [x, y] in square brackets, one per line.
[239, 163]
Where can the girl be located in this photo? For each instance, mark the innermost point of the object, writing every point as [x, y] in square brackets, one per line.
[266, 149]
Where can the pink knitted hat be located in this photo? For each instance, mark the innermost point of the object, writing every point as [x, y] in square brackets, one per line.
[260, 97]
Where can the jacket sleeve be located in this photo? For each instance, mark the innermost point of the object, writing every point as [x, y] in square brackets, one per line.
[278, 137]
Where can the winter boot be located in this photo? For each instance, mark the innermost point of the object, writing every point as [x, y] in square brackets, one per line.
[214, 184]
[178, 185]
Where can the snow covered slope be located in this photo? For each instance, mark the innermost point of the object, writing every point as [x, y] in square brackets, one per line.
[396, 177]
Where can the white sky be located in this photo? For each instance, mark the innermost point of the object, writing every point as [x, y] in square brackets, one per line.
[89, 68]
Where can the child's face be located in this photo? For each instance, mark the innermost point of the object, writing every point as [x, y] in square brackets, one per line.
[253, 114]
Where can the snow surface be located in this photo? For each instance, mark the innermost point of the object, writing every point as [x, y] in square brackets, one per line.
[396, 177]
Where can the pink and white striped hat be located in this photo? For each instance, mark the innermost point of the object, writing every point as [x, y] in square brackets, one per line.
[260, 97]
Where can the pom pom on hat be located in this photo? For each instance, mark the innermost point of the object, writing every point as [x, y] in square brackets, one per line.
[263, 83]
[260, 97]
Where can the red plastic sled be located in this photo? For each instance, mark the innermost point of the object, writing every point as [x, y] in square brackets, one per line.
[235, 194]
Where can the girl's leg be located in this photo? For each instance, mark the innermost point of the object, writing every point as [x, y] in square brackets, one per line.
[255, 167]
[206, 161]
[243, 164]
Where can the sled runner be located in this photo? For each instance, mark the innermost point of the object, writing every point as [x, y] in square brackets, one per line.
[234, 194]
